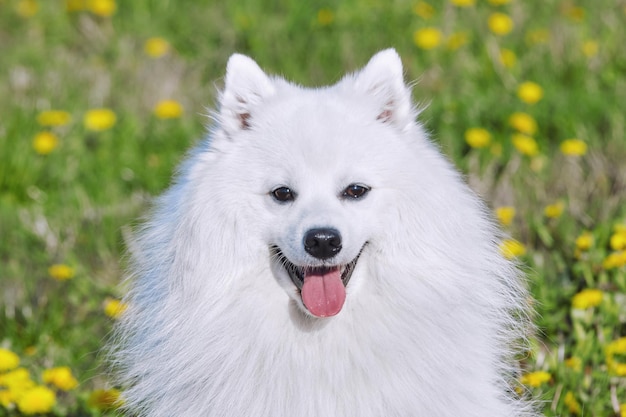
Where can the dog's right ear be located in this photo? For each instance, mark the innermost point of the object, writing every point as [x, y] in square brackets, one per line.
[246, 86]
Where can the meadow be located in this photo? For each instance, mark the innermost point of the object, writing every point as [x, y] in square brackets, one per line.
[99, 100]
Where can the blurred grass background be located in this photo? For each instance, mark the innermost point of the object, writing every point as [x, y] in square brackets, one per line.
[73, 185]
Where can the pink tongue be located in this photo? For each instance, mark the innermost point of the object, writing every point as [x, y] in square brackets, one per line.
[323, 293]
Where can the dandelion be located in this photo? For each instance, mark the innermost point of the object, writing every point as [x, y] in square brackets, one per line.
[456, 40]
[114, 308]
[45, 142]
[156, 47]
[505, 215]
[587, 298]
[574, 363]
[463, 3]
[525, 145]
[75, 5]
[535, 379]
[523, 122]
[102, 8]
[500, 23]
[477, 137]
[105, 399]
[618, 240]
[614, 260]
[537, 36]
[54, 118]
[618, 347]
[168, 109]
[573, 147]
[61, 377]
[427, 38]
[584, 241]
[325, 17]
[511, 248]
[6, 398]
[574, 13]
[8, 360]
[98, 120]
[498, 2]
[424, 10]
[507, 58]
[590, 48]
[37, 400]
[530, 92]
[17, 380]
[61, 272]
[554, 211]
[27, 8]
[572, 403]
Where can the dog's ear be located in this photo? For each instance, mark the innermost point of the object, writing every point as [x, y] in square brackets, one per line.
[246, 86]
[382, 79]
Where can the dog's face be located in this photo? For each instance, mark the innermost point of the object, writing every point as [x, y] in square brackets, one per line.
[315, 163]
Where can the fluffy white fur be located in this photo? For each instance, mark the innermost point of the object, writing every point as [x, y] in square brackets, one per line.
[217, 328]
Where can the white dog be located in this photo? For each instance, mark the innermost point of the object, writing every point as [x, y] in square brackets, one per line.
[318, 257]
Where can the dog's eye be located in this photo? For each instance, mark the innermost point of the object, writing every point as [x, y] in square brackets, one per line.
[283, 194]
[355, 191]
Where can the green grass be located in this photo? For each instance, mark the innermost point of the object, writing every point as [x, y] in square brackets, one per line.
[75, 205]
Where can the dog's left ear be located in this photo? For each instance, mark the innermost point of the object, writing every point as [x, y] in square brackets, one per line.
[246, 87]
[382, 78]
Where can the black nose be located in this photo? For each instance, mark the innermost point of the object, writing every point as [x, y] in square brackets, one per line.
[322, 243]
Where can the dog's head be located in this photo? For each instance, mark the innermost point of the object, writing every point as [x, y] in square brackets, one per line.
[319, 161]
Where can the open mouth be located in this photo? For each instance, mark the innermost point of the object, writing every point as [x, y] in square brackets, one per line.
[322, 288]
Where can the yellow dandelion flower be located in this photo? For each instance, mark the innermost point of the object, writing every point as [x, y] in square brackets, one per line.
[8, 360]
[525, 145]
[554, 211]
[523, 122]
[424, 10]
[61, 272]
[573, 147]
[54, 118]
[622, 407]
[114, 308]
[572, 403]
[477, 137]
[17, 380]
[535, 379]
[456, 40]
[45, 142]
[587, 298]
[61, 377]
[616, 347]
[530, 92]
[505, 215]
[6, 398]
[507, 58]
[511, 248]
[75, 5]
[574, 363]
[27, 8]
[500, 23]
[427, 38]
[102, 8]
[168, 109]
[37, 400]
[537, 36]
[105, 399]
[156, 47]
[584, 241]
[463, 3]
[614, 260]
[498, 2]
[575, 13]
[325, 17]
[98, 120]
[618, 240]
[590, 48]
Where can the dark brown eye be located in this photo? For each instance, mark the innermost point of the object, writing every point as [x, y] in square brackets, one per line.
[283, 194]
[355, 191]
